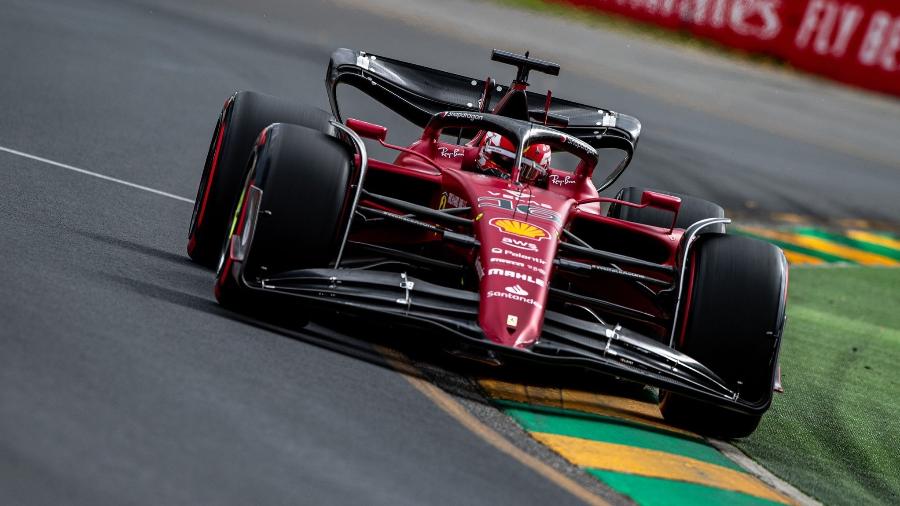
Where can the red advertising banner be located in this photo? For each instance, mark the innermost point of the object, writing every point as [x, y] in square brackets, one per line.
[854, 41]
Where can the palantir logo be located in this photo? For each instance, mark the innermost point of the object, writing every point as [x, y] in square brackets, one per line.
[517, 290]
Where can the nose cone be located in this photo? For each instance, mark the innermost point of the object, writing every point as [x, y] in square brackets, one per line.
[516, 260]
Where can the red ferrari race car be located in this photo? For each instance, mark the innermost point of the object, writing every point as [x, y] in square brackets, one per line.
[473, 233]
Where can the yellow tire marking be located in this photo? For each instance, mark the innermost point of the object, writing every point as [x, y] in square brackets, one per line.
[880, 240]
[816, 243]
[655, 464]
[642, 413]
[457, 411]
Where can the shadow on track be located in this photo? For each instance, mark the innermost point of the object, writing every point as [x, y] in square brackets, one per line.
[439, 360]
[136, 247]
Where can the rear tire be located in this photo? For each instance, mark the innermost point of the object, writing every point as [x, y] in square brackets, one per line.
[244, 115]
[733, 319]
[691, 211]
[304, 177]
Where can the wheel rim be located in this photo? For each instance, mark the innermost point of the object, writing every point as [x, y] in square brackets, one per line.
[238, 218]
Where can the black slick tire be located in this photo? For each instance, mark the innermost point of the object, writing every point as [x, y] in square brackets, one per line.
[243, 116]
[304, 178]
[734, 302]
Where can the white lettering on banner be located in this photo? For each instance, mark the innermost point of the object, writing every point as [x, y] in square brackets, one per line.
[851, 15]
[820, 19]
[516, 275]
[889, 54]
[881, 42]
[517, 298]
[753, 18]
[871, 45]
[695, 13]
[743, 11]
[718, 16]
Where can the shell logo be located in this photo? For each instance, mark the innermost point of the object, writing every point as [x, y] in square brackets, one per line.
[520, 228]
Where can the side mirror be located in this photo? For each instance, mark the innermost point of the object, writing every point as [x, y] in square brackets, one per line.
[367, 130]
[661, 201]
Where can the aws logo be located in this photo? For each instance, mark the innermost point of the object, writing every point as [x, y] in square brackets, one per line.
[518, 243]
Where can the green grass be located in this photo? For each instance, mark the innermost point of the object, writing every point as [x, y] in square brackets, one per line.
[611, 21]
[835, 433]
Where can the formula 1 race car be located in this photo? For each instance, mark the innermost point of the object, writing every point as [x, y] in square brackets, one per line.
[471, 234]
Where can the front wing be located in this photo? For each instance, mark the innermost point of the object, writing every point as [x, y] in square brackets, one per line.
[564, 341]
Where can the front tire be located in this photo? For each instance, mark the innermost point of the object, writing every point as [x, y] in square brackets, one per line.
[244, 115]
[732, 323]
[303, 175]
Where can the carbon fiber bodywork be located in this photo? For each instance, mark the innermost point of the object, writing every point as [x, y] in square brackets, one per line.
[418, 93]
[569, 341]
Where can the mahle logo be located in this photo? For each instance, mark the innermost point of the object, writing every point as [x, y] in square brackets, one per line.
[528, 278]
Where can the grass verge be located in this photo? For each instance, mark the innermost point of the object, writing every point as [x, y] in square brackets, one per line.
[835, 432]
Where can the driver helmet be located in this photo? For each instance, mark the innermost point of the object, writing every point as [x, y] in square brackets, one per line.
[497, 154]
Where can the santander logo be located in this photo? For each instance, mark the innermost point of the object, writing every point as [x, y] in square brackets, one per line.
[517, 290]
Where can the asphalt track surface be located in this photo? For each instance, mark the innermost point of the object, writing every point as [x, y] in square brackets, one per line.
[121, 380]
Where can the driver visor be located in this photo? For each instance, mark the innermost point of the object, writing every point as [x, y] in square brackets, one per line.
[505, 159]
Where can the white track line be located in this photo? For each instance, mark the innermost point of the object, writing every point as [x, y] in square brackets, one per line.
[95, 174]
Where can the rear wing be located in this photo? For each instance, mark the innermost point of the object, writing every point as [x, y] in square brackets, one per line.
[417, 93]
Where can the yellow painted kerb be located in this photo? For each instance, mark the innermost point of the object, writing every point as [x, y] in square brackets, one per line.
[643, 413]
[446, 402]
[796, 258]
[655, 464]
[880, 240]
[825, 246]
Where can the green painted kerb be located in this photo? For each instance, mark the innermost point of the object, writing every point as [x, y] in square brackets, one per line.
[848, 241]
[659, 492]
[793, 247]
[612, 430]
